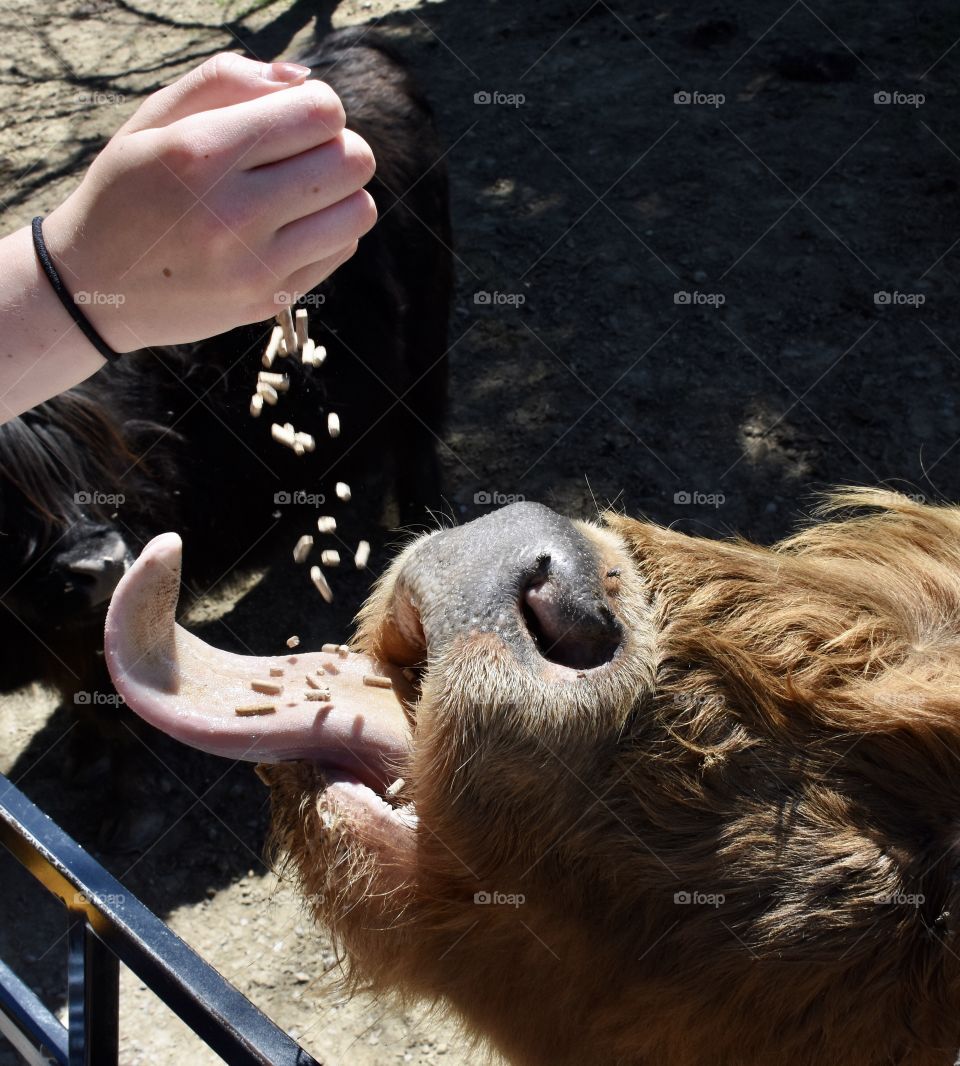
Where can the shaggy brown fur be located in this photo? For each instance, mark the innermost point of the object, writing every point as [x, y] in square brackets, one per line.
[740, 850]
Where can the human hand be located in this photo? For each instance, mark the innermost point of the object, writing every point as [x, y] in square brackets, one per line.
[231, 187]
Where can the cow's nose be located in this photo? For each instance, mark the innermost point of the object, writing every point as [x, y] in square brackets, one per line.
[524, 573]
[567, 622]
[91, 568]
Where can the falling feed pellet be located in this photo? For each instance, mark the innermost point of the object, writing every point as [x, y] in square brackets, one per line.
[343, 491]
[293, 642]
[308, 353]
[321, 583]
[320, 696]
[280, 382]
[273, 346]
[312, 682]
[252, 709]
[305, 441]
[256, 405]
[268, 688]
[300, 322]
[329, 649]
[319, 354]
[362, 556]
[327, 524]
[268, 393]
[283, 435]
[302, 549]
[285, 318]
[276, 671]
[392, 790]
[333, 424]
[330, 557]
[377, 681]
[343, 651]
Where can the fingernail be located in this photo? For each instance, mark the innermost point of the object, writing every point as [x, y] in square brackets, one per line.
[286, 73]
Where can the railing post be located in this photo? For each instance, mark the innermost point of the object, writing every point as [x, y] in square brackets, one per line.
[93, 992]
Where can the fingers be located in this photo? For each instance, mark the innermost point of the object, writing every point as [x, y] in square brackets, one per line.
[307, 240]
[298, 284]
[265, 130]
[219, 81]
[309, 277]
[313, 180]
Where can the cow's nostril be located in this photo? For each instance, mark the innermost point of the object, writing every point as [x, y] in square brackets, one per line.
[565, 629]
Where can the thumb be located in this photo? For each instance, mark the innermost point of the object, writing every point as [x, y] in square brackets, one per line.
[219, 81]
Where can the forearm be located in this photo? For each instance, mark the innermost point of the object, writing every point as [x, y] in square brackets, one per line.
[42, 352]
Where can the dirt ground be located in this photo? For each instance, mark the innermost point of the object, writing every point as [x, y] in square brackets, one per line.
[669, 306]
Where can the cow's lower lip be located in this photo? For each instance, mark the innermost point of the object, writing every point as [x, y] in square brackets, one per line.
[337, 784]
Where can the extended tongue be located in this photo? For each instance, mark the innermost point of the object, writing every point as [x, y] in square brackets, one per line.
[215, 700]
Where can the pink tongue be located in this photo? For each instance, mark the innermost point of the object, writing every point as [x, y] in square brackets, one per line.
[191, 691]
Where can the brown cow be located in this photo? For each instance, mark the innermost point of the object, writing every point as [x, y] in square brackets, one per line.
[664, 800]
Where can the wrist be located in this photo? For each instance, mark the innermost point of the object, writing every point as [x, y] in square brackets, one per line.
[41, 350]
[100, 300]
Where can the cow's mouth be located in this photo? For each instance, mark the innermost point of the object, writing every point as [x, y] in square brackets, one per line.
[523, 580]
[348, 714]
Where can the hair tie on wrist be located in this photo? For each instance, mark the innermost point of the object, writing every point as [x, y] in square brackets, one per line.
[64, 296]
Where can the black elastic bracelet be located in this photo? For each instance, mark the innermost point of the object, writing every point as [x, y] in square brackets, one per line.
[64, 296]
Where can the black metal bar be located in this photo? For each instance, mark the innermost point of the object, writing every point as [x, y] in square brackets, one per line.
[35, 1033]
[93, 997]
[216, 1011]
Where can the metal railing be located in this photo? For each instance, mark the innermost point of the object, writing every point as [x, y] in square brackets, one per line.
[107, 926]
